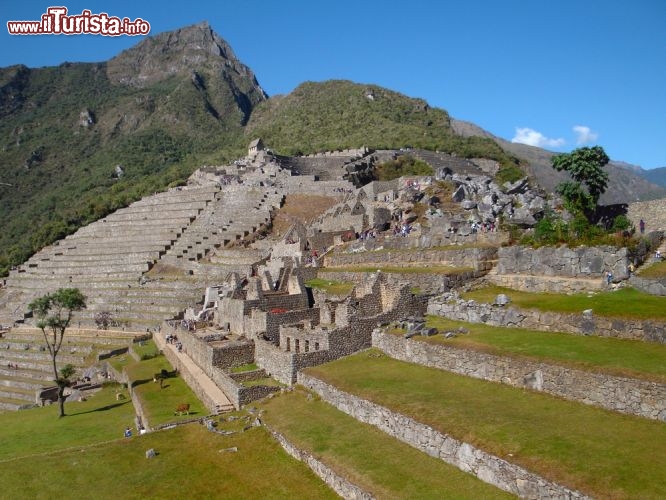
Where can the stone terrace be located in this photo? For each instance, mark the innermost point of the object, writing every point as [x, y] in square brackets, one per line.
[109, 254]
[25, 365]
[108, 260]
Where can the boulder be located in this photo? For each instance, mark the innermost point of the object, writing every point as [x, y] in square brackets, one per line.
[502, 300]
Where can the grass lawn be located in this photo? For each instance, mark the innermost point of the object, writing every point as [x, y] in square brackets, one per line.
[419, 269]
[159, 404]
[146, 349]
[621, 357]
[39, 430]
[623, 303]
[656, 270]
[331, 286]
[244, 368]
[601, 453]
[191, 462]
[366, 456]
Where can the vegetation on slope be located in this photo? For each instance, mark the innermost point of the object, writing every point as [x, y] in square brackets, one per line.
[339, 114]
[402, 165]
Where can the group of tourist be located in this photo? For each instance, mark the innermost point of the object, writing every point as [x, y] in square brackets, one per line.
[402, 229]
[173, 339]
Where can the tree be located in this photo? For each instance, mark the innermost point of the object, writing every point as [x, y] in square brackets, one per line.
[585, 166]
[54, 312]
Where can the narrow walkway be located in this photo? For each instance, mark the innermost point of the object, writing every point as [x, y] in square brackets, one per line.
[216, 400]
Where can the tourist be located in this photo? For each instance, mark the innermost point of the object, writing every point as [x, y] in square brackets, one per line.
[641, 225]
[128, 432]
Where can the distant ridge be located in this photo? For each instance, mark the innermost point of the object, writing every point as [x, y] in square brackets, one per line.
[626, 184]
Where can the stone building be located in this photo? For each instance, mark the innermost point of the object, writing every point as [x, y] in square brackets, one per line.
[254, 148]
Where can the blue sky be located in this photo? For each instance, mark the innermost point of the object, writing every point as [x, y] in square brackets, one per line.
[558, 74]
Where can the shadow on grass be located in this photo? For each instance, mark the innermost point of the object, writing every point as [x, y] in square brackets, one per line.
[102, 408]
[141, 381]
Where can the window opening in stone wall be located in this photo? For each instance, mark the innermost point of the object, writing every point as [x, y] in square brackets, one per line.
[316, 346]
[297, 345]
[288, 344]
[307, 346]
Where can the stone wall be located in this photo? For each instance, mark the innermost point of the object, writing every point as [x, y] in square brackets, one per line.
[581, 262]
[426, 283]
[632, 396]
[477, 258]
[337, 483]
[488, 468]
[547, 321]
[651, 286]
[652, 212]
[190, 379]
[548, 284]
[273, 321]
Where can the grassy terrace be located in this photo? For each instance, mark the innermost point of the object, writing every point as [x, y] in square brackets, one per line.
[624, 303]
[600, 453]
[370, 458]
[620, 357]
[191, 462]
[159, 403]
[330, 286]
[656, 270]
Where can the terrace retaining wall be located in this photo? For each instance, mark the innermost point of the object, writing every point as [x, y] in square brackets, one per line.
[488, 468]
[580, 324]
[625, 395]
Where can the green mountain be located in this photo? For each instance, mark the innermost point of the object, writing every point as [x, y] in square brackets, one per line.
[80, 140]
[339, 114]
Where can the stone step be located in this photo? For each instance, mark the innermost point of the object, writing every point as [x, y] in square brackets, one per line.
[10, 345]
[20, 382]
[166, 213]
[104, 339]
[20, 357]
[11, 404]
[128, 257]
[38, 376]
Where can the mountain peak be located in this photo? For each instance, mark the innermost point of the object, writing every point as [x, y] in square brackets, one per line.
[196, 48]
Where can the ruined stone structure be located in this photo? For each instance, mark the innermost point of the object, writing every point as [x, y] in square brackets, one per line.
[559, 269]
[289, 331]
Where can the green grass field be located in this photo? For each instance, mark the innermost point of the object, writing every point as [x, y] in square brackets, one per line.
[601, 453]
[159, 403]
[623, 303]
[38, 431]
[191, 462]
[620, 357]
[370, 458]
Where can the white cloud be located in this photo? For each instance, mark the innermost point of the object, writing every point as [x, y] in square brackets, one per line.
[533, 138]
[585, 135]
